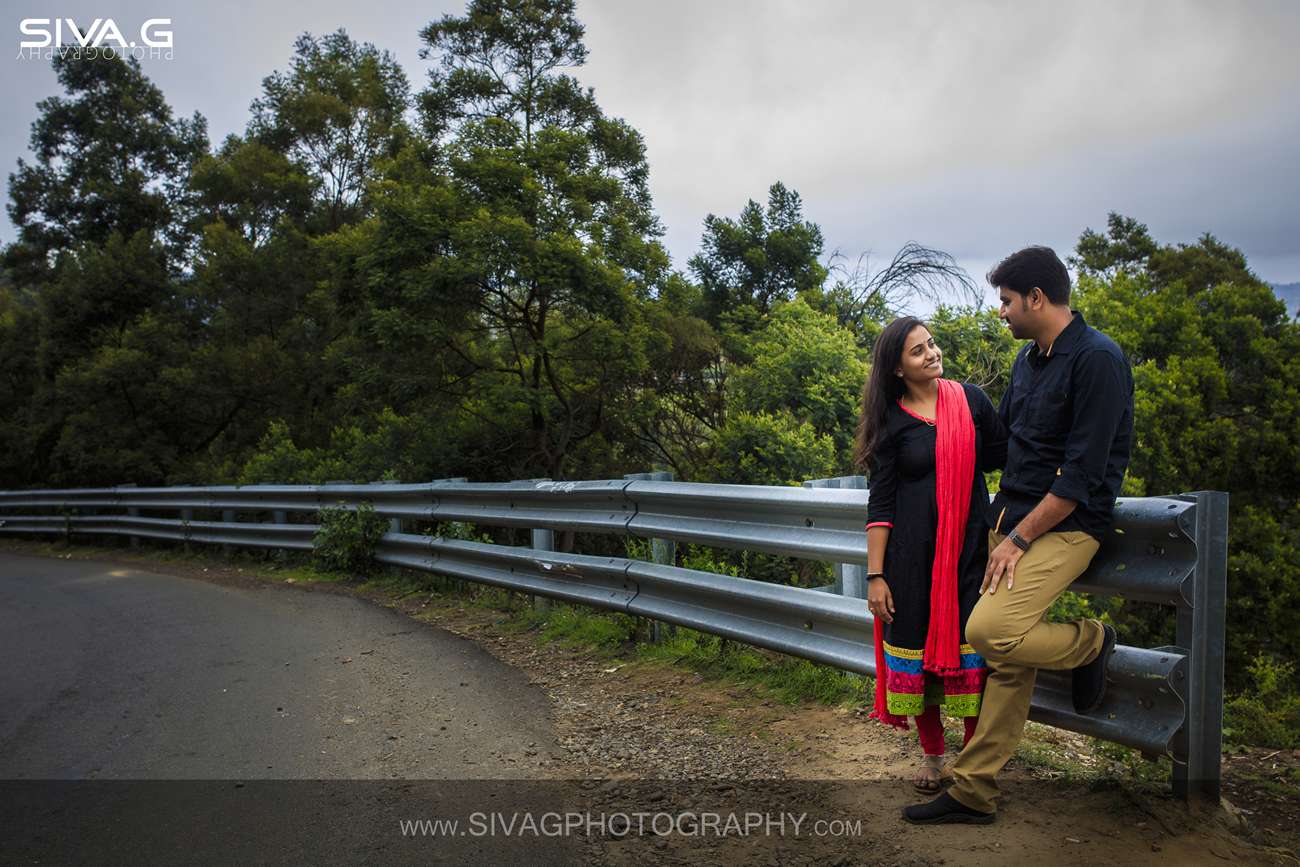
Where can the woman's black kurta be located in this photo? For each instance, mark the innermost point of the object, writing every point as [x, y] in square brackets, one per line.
[902, 495]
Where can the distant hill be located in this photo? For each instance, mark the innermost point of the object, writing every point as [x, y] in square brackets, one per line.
[1290, 293]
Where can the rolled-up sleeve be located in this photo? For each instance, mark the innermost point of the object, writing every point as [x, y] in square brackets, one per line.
[884, 483]
[1100, 397]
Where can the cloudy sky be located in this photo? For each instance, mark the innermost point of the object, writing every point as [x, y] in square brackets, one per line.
[974, 127]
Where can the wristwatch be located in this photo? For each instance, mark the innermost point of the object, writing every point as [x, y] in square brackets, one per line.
[1018, 540]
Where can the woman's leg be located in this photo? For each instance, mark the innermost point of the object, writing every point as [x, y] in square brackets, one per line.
[929, 780]
[930, 729]
[971, 723]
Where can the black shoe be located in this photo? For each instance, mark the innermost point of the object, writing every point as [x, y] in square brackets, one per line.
[1088, 682]
[946, 809]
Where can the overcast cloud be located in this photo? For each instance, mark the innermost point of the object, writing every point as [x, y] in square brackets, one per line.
[974, 127]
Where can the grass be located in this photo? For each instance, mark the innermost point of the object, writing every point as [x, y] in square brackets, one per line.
[791, 680]
[603, 632]
[1094, 763]
[1272, 785]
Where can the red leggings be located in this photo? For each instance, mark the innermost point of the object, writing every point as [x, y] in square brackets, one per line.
[930, 728]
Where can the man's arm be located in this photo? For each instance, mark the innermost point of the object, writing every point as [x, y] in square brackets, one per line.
[1050, 511]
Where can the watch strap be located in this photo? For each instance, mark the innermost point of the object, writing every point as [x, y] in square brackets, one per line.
[1018, 540]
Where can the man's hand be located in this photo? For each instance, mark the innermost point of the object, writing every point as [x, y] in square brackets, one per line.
[879, 600]
[1002, 561]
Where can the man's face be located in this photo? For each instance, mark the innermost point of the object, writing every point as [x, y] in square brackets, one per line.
[1014, 310]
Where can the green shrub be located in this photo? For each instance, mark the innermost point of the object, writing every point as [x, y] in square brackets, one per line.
[1268, 715]
[461, 530]
[346, 539]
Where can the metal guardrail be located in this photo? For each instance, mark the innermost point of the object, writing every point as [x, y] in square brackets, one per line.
[1168, 550]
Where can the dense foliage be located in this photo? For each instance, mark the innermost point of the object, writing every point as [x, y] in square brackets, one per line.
[372, 282]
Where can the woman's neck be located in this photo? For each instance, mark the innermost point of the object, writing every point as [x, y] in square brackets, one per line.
[922, 394]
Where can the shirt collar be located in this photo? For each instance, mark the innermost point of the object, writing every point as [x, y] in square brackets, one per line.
[1066, 340]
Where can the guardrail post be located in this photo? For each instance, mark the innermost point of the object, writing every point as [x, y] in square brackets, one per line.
[227, 517]
[1200, 634]
[187, 518]
[394, 524]
[133, 512]
[850, 578]
[540, 539]
[662, 551]
[460, 585]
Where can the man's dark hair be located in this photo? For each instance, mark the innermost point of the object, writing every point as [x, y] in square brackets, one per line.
[1030, 267]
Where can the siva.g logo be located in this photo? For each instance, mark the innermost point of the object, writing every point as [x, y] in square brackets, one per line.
[103, 38]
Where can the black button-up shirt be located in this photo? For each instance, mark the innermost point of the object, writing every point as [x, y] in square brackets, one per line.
[1069, 412]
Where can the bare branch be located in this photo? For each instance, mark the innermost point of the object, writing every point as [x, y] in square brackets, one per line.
[915, 273]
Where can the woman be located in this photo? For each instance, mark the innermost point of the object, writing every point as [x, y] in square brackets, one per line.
[928, 442]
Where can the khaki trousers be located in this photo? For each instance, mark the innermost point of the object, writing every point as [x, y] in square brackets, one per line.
[1008, 629]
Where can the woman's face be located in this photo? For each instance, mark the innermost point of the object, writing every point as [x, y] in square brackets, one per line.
[922, 361]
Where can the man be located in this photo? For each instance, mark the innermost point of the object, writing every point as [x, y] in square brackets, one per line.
[1069, 412]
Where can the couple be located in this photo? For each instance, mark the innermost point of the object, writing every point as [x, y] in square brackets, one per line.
[959, 587]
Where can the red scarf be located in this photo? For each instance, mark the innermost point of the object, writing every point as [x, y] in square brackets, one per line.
[954, 470]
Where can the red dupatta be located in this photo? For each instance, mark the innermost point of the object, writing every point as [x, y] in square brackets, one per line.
[954, 470]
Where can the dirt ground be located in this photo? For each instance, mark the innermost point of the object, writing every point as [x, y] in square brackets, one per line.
[651, 736]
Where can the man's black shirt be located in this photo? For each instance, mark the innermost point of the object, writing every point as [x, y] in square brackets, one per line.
[1069, 413]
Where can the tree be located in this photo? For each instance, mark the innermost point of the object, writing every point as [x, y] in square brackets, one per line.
[1216, 366]
[106, 224]
[791, 411]
[277, 203]
[109, 160]
[1127, 245]
[764, 257]
[20, 425]
[251, 189]
[681, 396]
[807, 366]
[864, 300]
[336, 113]
[977, 346]
[547, 242]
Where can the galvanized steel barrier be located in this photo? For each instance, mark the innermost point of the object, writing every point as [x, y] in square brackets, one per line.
[1167, 550]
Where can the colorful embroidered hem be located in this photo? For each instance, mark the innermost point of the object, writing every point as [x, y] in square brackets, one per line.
[908, 689]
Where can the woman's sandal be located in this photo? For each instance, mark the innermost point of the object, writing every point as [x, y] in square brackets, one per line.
[929, 780]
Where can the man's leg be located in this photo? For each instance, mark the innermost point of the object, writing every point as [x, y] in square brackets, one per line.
[1008, 630]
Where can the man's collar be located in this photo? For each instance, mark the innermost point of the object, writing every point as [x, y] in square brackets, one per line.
[1064, 341]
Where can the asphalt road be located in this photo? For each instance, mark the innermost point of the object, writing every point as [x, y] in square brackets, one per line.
[139, 686]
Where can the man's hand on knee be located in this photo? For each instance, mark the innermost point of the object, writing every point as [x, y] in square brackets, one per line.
[1002, 562]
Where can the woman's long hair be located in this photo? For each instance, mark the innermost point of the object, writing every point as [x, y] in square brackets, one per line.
[881, 388]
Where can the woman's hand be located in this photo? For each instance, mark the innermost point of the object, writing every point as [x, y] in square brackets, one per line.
[880, 602]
